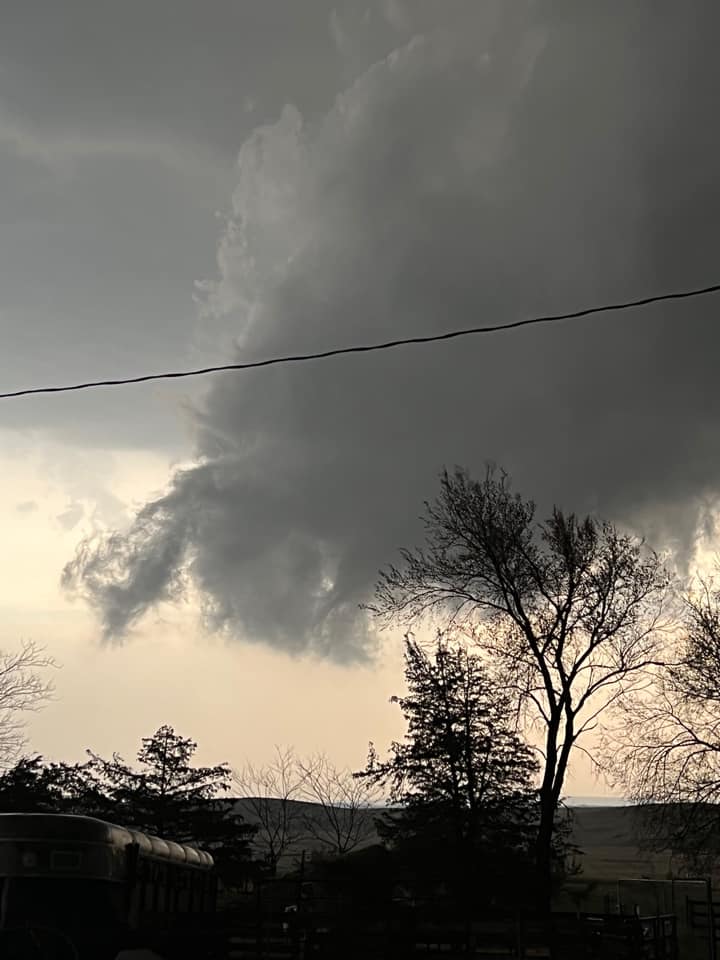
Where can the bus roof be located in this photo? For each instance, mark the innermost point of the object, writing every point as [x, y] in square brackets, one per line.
[73, 828]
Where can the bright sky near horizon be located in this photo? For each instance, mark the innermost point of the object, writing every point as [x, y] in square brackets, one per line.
[186, 183]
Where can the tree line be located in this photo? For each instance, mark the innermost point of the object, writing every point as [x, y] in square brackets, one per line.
[545, 631]
[288, 802]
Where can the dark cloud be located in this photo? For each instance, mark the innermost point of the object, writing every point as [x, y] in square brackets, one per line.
[119, 125]
[96, 271]
[171, 69]
[507, 161]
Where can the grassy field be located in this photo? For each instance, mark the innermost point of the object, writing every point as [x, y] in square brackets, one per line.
[607, 837]
[614, 869]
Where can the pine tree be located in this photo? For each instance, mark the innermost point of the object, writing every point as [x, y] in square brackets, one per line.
[26, 788]
[462, 780]
[573, 611]
[168, 797]
[34, 785]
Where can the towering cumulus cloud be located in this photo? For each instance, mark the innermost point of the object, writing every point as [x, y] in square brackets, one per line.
[503, 161]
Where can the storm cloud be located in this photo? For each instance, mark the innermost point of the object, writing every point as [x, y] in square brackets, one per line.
[504, 160]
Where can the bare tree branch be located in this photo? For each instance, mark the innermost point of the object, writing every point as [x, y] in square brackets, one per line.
[665, 751]
[22, 690]
[272, 799]
[346, 818]
[572, 611]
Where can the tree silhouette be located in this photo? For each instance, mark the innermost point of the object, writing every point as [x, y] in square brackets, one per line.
[345, 819]
[272, 795]
[570, 612]
[665, 751]
[168, 797]
[22, 690]
[462, 780]
[33, 785]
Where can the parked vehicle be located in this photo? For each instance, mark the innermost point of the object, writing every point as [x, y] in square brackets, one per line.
[94, 887]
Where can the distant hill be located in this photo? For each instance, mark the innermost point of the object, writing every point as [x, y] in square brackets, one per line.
[597, 802]
[600, 826]
[308, 821]
[607, 836]
[608, 839]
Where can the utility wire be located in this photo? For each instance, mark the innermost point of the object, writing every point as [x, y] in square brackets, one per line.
[368, 348]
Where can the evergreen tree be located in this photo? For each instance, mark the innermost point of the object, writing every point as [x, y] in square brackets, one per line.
[574, 612]
[168, 797]
[462, 780]
[26, 788]
[34, 785]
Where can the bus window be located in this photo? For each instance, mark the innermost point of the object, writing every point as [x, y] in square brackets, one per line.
[171, 894]
[161, 885]
[59, 902]
[65, 860]
[178, 888]
[183, 899]
[135, 902]
[149, 893]
[193, 892]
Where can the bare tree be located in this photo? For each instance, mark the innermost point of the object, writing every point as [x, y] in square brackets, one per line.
[271, 799]
[569, 611]
[665, 751]
[345, 819]
[22, 690]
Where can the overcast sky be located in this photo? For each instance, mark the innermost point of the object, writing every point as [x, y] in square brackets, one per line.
[186, 182]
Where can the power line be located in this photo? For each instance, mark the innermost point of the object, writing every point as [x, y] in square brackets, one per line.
[368, 348]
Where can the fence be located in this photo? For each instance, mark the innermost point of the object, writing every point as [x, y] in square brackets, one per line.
[697, 916]
[376, 934]
[685, 897]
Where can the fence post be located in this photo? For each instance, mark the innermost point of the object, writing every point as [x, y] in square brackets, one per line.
[711, 920]
[259, 942]
[519, 938]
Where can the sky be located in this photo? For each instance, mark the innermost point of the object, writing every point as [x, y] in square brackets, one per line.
[184, 184]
